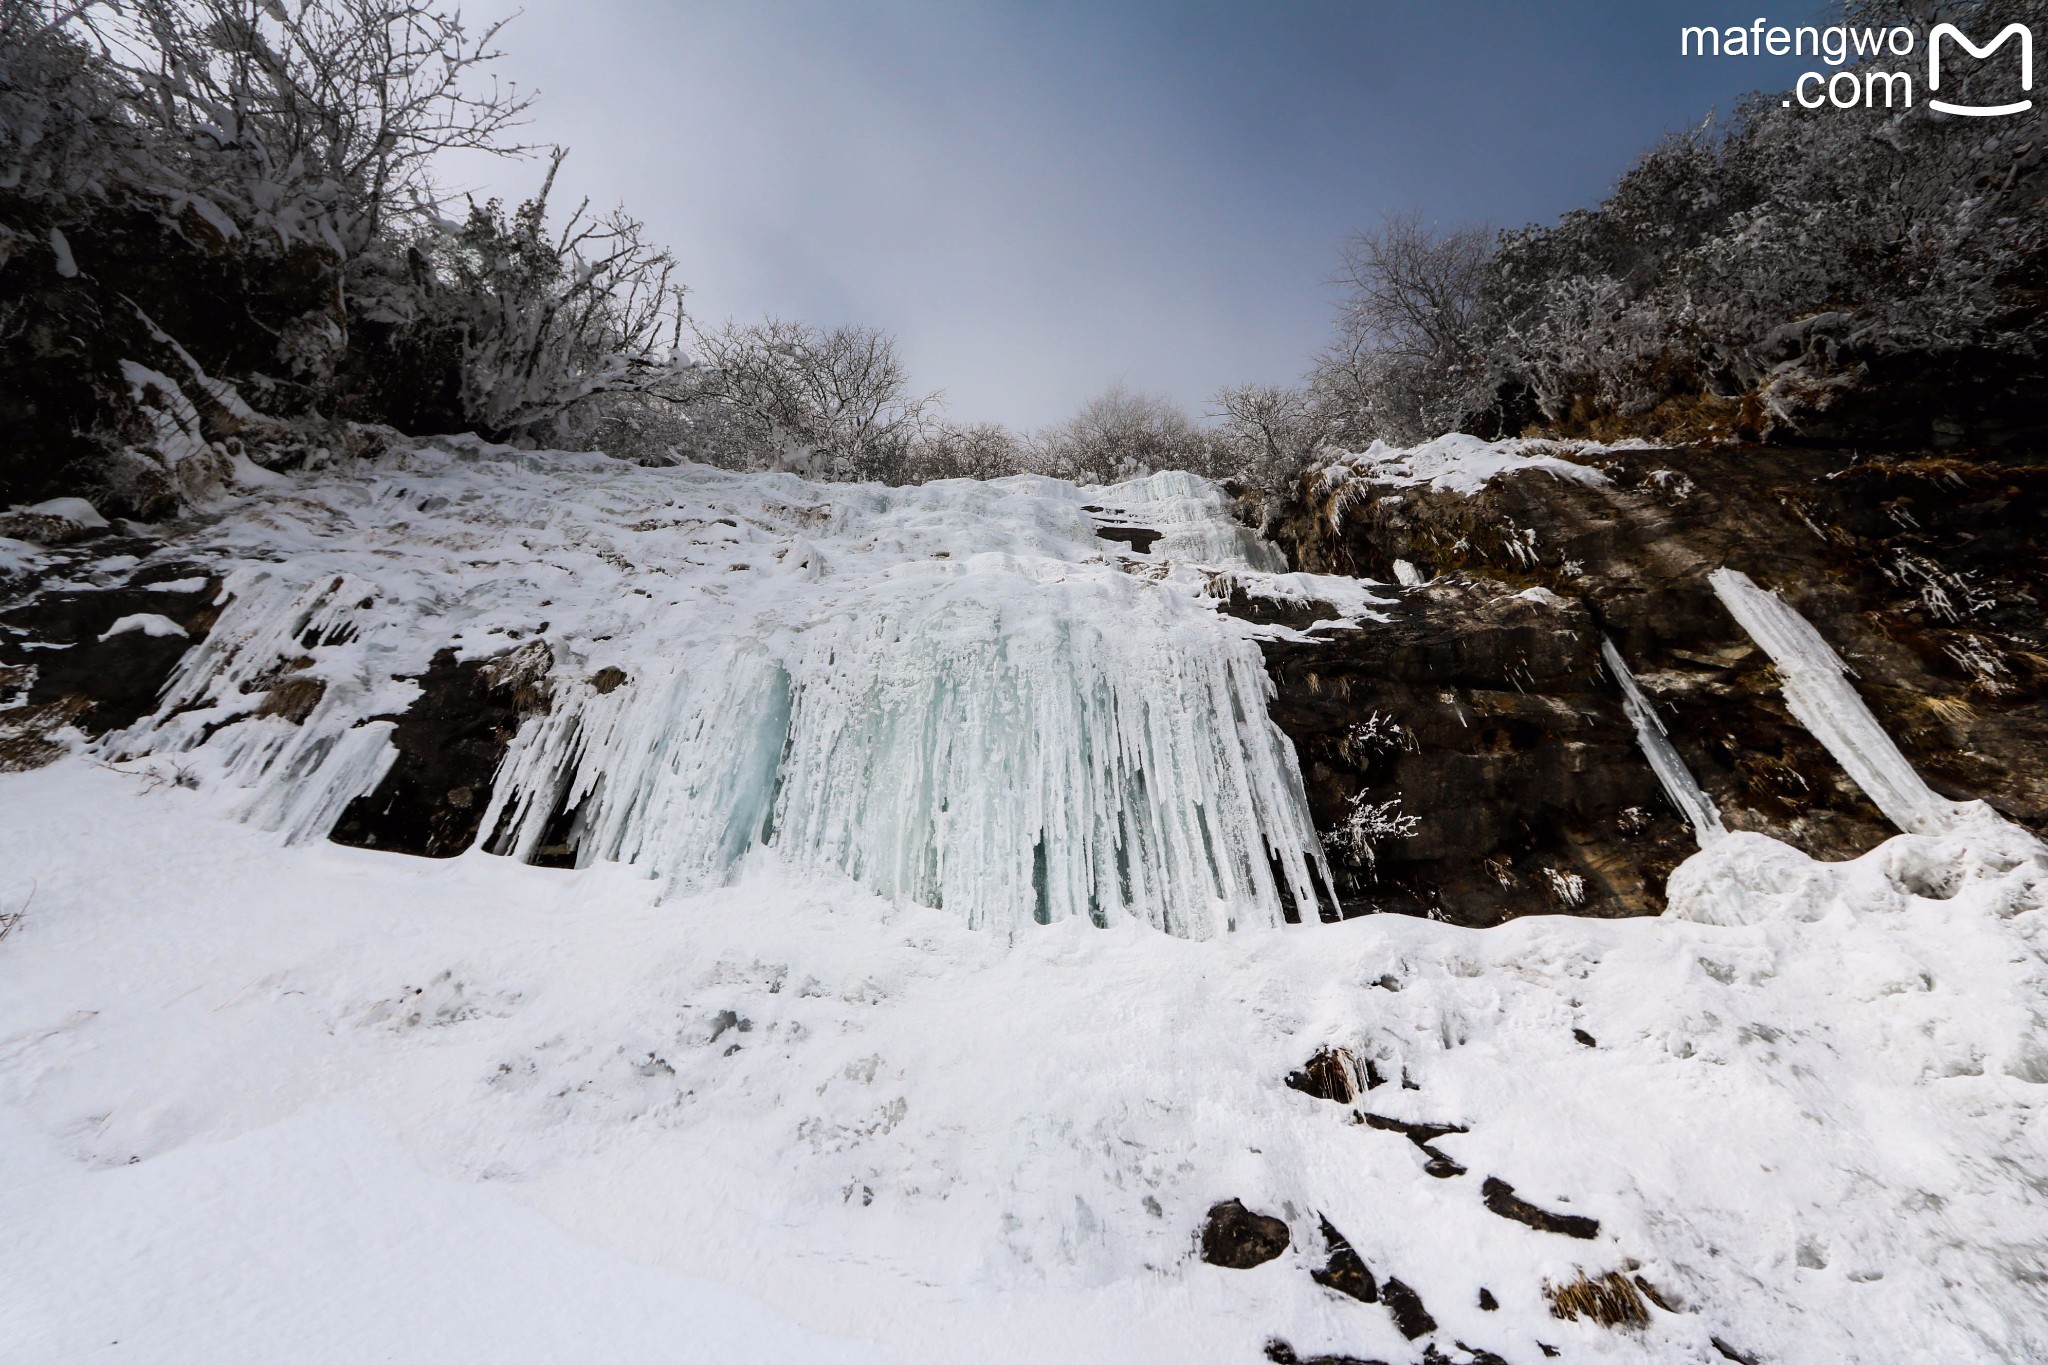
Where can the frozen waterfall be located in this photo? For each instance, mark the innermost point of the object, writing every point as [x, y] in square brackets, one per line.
[1679, 784]
[1818, 693]
[958, 694]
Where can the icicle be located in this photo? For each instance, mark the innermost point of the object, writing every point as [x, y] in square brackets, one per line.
[1016, 766]
[948, 693]
[297, 777]
[1679, 784]
[1819, 696]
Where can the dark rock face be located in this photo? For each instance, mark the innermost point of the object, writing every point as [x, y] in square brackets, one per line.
[449, 744]
[1500, 1198]
[1483, 707]
[1405, 1304]
[1238, 1239]
[1346, 1270]
[59, 665]
[1481, 728]
[1139, 538]
[157, 284]
[1329, 1075]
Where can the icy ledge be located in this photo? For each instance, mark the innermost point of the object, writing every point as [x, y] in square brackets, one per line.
[1818, 694]
[1676, 778]
[959, 695]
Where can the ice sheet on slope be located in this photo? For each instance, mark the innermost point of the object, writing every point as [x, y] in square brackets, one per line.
[951, 693]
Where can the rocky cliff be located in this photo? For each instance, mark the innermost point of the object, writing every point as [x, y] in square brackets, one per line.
[1462, 743]
[1484, 701]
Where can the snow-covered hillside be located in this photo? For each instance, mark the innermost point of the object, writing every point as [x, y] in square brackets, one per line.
[845, 1029]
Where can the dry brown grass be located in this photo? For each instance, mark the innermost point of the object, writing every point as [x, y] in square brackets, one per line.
[25, 731]
[1612, 1301]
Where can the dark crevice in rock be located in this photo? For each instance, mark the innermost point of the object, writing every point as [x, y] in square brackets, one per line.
[1139, 538]
[1410, 1317]
[1280, 1353]
[1422, 1135]
[450, 743]
[1345, 1271]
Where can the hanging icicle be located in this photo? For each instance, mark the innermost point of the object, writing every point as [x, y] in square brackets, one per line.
[1679, 784]
[1818, 694]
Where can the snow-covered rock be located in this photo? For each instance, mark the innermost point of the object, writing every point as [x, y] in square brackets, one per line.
[57, 521]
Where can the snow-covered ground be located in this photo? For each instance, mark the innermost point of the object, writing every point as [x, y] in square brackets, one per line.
[265, 1100]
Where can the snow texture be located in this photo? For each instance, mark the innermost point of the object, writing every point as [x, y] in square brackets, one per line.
[268, 1098]
[1818, 694]
[1809, 1116]
[149, 623]
[956, 694]
[1678, 782]
[1460, 463]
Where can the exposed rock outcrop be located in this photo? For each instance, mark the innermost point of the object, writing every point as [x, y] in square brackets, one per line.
[450, 742]
[95, 659]
[1236, 1238]
[1483, 708]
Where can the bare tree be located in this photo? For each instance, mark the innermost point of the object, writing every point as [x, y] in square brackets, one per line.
[832, 403]
[1413, 290]
[1119, 434]
[552, 322]
[981, 450]
[1270, 431]
[1408, 355]
[315, 118]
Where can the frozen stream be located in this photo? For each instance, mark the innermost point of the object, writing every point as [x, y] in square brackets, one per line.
[957, 694]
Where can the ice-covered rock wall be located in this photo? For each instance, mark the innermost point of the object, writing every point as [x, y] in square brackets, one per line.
[958, 694]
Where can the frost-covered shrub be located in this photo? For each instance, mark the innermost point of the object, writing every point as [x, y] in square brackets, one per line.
[1121, 434]
[831, 403]
[1742, 277]
[1367, 824]
[551, 322]
[231, 199]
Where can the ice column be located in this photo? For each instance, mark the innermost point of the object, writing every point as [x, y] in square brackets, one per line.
[1685, 793]
[1016, 761]
[1818, 693]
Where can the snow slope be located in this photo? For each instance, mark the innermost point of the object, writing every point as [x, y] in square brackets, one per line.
[298, 1097]
[268, 1099]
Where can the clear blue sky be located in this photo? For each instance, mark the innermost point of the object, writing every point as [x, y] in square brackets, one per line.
[1043, 199]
